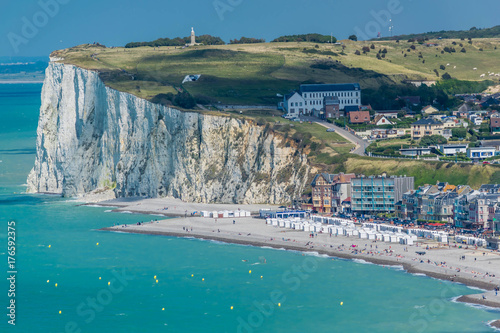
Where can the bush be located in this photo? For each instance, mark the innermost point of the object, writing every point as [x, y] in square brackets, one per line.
[432, 140]
[184, 100]
[441, 67]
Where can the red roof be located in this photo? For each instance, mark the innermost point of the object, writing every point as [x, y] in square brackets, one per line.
[359, 117]
[347, 199]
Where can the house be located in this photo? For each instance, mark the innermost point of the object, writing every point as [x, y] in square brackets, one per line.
[294, 105]
[452, 150]
[381, 120]
[351, 108]
[495, 122]
[481, 153]
[426, 126]
[475, 119]
[415, 151]
[312, 97]
[450, 122]
[330, 190]
[389, 114]
[314, 94]
[429, 109]
[332, 107]
[376, 194]
[490, 188]
[491, 143]
[359, 117]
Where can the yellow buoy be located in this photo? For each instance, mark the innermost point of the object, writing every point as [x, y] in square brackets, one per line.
[109, 283]
[60, 311]
[154, 277]
[192, 275]
[203, 279]
[97, 244]
[48, 281]
[279, 304]
[231, 307]
[162, 309]
[341, 303]
[156, 281]
[99, 277]
[55, 285]
[250, 272]
[261, 276]
[49, 245]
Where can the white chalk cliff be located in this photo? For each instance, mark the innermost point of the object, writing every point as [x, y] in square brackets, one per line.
[91, 138]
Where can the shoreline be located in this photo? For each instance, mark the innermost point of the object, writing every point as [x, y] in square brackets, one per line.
[330, 252]
[473, 267]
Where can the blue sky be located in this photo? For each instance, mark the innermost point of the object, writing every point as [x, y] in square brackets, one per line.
[27, 29]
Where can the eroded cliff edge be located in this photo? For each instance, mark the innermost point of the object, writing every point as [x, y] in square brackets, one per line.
[91, 138]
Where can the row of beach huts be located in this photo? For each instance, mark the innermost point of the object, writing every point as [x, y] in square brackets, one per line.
[371, 231]
[225, 214]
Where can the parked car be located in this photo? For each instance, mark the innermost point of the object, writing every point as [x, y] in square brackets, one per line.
[330, 129]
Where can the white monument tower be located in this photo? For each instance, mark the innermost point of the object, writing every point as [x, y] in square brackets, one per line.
[193, 37]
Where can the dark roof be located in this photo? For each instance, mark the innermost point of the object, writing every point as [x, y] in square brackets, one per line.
[331, 100]
[328, 178]
[427, 121]
[351, 108]
[489, 187]
[490, 143]
[329, 87]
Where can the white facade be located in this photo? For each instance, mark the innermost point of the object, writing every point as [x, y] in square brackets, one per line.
[314, 100]
[481, 152]
[312, 97]
[450, 150]
[294, 105]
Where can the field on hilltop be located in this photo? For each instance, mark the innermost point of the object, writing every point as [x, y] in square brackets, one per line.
[254, 74]
[258, 74]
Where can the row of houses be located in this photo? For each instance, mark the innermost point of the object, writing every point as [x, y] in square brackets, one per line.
[346, 193]
[488, 150]
[460, 205]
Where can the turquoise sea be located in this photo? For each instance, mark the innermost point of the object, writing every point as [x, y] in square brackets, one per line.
[198, 281]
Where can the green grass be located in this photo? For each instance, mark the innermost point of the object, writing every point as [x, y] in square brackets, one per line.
[426, 172]
[255, 73]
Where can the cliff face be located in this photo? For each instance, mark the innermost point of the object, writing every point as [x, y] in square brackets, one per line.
[91, 137]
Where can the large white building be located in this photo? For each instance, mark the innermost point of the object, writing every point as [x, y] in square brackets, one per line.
[311, 97]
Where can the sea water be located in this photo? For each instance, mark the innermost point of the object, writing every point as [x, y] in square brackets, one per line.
[106, 281]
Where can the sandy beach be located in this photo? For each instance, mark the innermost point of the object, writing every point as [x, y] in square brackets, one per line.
[480, 268]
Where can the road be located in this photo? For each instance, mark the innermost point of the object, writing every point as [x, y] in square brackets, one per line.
[358, 142]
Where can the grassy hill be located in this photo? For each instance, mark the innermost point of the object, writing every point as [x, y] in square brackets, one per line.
[426, 172]
[493, 32]
[255, 73]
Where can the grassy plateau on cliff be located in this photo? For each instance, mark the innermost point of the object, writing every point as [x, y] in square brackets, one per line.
[259, 74]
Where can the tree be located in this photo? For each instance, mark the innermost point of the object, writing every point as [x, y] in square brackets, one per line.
[357, 52]
[446, 76]
[459, 132]
[463, 50]
[441, 67]
[372, 47]
[401, 114]
[432, 140]
[184, 100]
[353, 38]
[366, 49]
